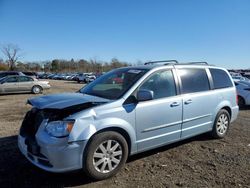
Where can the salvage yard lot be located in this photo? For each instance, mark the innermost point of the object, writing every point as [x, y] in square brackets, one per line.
[197, 162]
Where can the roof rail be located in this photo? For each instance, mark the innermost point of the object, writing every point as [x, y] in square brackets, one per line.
[166, 62]
[202, 62]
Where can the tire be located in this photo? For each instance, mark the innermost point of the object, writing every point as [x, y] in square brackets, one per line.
[221, 124]
[85, 81]
[241, 102]
[36, 89]
[99, 162]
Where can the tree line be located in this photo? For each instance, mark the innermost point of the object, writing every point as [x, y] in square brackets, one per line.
[12, 62]
[61, 65]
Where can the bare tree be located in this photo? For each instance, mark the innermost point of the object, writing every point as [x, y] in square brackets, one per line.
[11, 52]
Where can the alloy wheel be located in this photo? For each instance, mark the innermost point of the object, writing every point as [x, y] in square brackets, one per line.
[222, 124]
[107, 156]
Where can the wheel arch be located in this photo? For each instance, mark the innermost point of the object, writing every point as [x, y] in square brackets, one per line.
[223, 105]
[227, 108]
[119, 130]
[239, 96]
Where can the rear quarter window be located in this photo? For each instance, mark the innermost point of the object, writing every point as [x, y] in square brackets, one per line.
[220, 79]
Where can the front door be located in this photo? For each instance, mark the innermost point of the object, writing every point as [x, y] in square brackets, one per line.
[158, 121]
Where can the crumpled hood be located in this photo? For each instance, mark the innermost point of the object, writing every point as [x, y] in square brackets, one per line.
[64, 100]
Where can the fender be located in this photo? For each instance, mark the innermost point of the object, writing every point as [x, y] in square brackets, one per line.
[220, 106]
[85, 128]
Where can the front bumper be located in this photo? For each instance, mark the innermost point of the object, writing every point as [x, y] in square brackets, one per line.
[55, 154]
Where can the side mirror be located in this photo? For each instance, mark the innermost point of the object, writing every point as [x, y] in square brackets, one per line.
[145, 95]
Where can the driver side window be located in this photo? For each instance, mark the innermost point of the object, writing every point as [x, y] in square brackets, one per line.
[161, 83]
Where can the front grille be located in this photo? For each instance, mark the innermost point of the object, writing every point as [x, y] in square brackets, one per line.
[31, 123]
[41, 159]
[29, 128]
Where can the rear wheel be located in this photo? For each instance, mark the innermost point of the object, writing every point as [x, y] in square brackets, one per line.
[221, 124]
[36, 89]
[106, 154]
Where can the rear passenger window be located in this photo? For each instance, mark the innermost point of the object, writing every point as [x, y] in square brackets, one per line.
[220, 79]
[193, 80]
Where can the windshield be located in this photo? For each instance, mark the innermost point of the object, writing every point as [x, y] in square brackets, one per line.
[114, 84]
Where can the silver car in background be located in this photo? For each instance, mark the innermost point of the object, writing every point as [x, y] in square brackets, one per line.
[22, 84]
[97, 128]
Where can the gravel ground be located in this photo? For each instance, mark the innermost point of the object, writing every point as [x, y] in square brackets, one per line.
[197, 162]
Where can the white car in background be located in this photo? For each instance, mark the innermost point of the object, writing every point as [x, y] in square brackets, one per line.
[86, 77]
[243, 91]
[82, 78]
[91, 77]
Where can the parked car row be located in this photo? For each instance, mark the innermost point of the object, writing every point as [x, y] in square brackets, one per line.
[79, 77]
[20, 82]
[66, 76]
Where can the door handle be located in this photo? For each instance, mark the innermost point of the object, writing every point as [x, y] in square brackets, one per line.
[174, 104]
[188, 101]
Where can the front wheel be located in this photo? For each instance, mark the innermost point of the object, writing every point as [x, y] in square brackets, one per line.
[221, 124]
[105, 155]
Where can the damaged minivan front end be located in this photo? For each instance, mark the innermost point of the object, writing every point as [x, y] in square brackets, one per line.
[46, 135]
[92, 129]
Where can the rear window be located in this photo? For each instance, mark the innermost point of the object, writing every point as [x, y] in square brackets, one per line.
[220, 79]
[29, 73]
[193, 80]
[12, 73]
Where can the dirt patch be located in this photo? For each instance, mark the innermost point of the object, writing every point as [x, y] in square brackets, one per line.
[197, 162]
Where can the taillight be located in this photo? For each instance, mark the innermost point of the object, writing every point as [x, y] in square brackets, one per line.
[237, 99]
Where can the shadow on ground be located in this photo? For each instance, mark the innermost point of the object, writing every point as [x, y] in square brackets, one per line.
[245, 108]
[17, 171]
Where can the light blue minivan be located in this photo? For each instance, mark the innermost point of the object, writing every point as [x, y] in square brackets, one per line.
[124, 112]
